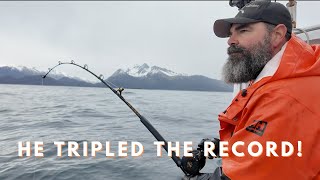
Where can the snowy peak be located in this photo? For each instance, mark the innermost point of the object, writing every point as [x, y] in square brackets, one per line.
[145, 70]
[138, 71]
[141, 68]
[156, 70]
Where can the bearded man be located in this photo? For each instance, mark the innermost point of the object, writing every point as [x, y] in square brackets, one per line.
[278, 76]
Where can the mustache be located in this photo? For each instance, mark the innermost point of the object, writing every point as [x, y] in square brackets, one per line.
[235, 49]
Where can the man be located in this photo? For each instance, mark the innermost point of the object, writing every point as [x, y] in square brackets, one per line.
[280, 99]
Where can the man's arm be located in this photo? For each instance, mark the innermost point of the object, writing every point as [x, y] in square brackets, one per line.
[275, 117]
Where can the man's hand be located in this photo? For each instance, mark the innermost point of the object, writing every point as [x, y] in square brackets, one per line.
[215, 141]
[193, 165]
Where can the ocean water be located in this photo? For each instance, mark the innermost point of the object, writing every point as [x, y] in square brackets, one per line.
[53, 113]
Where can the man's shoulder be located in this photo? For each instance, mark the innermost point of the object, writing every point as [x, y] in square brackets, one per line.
[293, 86]
[303, 90]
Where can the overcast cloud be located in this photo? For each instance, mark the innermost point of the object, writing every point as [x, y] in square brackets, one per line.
[111, 35]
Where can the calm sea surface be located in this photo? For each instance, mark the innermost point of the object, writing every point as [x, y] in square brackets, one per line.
[52, 113]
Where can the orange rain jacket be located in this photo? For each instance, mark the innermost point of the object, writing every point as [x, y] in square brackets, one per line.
[282, 107]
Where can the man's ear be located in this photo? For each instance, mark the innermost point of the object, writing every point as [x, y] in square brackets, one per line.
[278, 36]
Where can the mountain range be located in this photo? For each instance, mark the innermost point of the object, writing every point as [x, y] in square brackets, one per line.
[32, 76]
[155, 77]
[138, 77]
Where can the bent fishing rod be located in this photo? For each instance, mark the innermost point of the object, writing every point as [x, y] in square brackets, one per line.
[144, 121]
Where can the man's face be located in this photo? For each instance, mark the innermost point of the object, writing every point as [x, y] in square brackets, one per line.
[249, 51]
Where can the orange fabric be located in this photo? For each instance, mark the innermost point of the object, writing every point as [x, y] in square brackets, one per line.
[289, 104]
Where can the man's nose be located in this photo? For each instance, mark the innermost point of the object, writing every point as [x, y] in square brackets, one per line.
[233, 40]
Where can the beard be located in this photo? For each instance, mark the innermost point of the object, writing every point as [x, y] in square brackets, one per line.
[245, 64]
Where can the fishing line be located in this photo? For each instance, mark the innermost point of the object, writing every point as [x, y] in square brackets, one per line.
[118, 92]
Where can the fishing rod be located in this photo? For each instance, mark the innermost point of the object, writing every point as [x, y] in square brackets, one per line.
[144, 121]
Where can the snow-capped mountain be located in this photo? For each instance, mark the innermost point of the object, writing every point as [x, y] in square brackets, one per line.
[11, 74]
[146, 77]
[21, 71]
[17, 71]
[146, 70]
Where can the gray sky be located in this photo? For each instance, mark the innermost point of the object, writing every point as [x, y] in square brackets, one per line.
[111, 35]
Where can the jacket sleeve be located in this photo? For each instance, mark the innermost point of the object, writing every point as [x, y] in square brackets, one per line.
[275, 117]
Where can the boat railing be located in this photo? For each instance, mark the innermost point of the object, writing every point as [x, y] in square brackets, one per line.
[309, 34]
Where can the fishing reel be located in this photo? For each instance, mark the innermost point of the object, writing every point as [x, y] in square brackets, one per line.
[193, 165]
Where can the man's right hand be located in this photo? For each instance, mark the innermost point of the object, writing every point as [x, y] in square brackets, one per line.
[215, 141]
